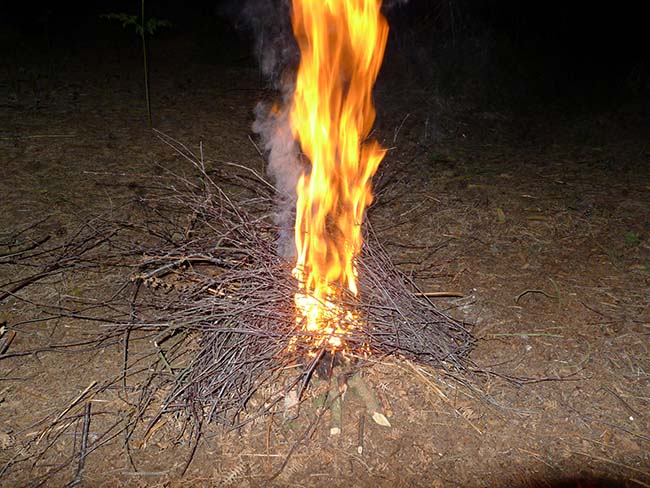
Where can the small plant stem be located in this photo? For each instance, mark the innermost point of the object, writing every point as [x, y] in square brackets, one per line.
[145, 64]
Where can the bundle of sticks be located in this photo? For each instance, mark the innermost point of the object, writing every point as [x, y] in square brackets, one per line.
[221, 301]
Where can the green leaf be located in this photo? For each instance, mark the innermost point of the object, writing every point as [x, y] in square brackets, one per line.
[125, 19]
[632, 238]
[150, 26]
[155, 24]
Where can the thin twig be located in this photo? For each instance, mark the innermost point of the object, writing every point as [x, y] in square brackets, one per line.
[438, 294]
[612, 462]
[84, 446]
[541, 292]
[66, 410]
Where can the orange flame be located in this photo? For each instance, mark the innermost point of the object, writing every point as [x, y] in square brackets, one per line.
[342, 46]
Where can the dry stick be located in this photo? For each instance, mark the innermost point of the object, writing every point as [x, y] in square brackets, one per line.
[442, 395]
[239, 354]
[127, 334]
[436, 294]
[84, 446]
[400, 128]
[66, 410]
[57, 266]
[193, 451]
[361, 435]
[256, 174]
[268, 442]
[15, 459]
[259, 151]
[145, 473]
[627, 431]
[539, 458]
[125, 359]
[526, 334]
[55, 347]
[29, 247]
[145, 438]
[360, 387]
[611, 461]
[309, 372]
[21, 232]
[6, 342]
[53, 268]
[37, 136]
[541, 292]
[101, 440]
[60, 429]
[264, 295]
[336, 408]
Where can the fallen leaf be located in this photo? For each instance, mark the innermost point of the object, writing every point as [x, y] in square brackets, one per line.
[6, 440]
[380, 419]
[501, 216]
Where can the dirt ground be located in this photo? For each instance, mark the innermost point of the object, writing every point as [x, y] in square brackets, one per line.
[539, 219]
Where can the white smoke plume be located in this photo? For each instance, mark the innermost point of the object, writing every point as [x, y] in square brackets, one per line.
[275, 47]
[284, 167]
[278, 55]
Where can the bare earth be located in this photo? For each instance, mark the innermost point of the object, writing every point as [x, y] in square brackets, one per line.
[541, 222]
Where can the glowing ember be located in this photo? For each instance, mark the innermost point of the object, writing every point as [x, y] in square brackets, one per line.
[342, 45]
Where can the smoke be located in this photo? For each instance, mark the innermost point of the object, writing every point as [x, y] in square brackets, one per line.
[284, 166]
[269, 24]
[278, 55]
[390, 4]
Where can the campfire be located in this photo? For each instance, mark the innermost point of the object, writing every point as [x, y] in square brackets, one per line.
[267, 314]
[258, 295]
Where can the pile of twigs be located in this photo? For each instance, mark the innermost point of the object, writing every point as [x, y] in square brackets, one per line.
[222, 302]
[208, 291]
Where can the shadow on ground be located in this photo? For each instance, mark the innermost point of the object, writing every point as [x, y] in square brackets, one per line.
[571, 482]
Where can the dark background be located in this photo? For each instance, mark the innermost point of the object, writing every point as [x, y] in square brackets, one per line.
[498, 52]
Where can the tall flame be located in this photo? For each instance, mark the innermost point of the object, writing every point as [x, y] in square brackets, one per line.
[342, 45]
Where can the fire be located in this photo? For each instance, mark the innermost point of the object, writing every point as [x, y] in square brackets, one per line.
[342, 45]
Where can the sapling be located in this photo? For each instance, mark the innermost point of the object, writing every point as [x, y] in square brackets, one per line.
[142, 28]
